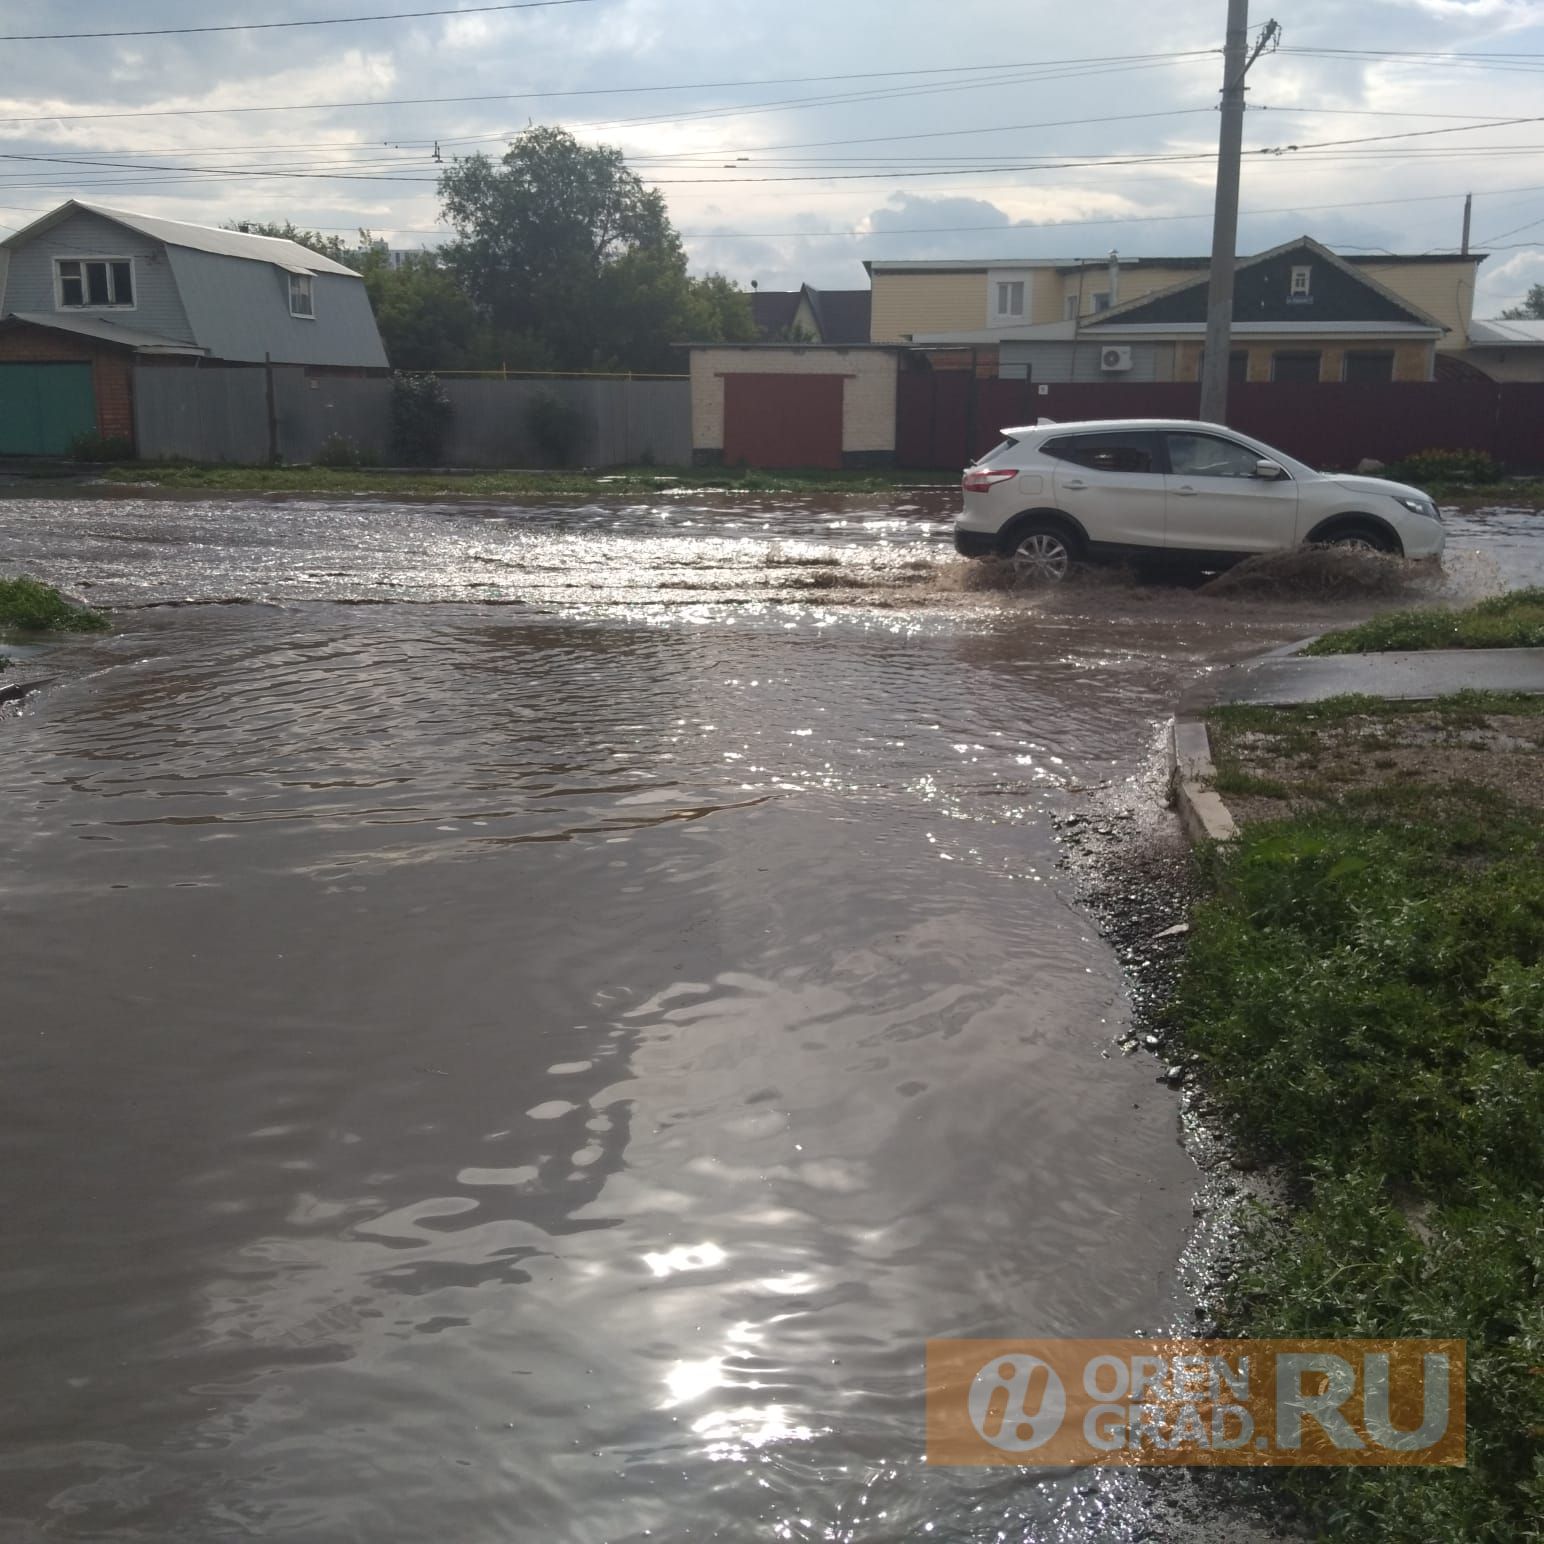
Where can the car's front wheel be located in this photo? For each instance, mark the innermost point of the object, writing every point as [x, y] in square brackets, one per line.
[1361, 538]
[1041, 554]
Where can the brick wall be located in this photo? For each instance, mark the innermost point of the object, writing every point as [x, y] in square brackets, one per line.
[111, 370]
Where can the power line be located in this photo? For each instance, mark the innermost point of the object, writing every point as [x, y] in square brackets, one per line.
[520, 96]
[278, 147]
[272, 26]
[1019, 79]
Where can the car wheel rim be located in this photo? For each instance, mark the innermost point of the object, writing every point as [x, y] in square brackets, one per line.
[1042, 558]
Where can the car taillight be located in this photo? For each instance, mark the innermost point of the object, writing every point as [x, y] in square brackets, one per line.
[979, 479]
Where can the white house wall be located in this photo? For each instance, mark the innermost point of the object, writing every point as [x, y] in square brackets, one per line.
[29, 275]
[868, 404]
[239, 310]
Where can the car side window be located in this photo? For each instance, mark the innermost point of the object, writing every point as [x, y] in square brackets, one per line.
[1112, 452]
[1204, 455]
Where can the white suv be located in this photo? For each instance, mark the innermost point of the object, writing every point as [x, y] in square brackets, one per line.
[1055, 494]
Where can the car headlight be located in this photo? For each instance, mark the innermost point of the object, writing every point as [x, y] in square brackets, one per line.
[1418, 506]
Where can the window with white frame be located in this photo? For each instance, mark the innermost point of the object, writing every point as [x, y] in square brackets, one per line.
[1101, 301]
[94, 283]
[1302, 284]
[1010, 297]
[302, 300]
[1070, 308]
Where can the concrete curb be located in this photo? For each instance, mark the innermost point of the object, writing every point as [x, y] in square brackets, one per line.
[18, 690]
[1191, 775]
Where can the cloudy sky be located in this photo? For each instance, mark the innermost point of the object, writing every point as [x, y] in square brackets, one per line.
[795, 140]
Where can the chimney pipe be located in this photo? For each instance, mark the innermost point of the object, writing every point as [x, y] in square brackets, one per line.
[1114, 278]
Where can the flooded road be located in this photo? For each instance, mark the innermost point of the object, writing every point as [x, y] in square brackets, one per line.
[542, 1070]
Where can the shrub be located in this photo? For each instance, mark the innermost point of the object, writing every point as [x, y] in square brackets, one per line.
[558, 428]
[1445, 466]
[101, 447]
[31, 606]
[420, 417]
[340, 450]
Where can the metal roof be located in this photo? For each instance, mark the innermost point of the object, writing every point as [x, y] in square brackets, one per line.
[288, 255]
[1503, 333]
[1115, 331]
[102, 328]
[1072, 264]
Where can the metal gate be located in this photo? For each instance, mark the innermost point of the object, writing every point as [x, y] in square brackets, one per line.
[783, 420]
[43, 407]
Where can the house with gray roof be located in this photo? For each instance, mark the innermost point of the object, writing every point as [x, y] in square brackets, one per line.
[88, 292]
[810, 315]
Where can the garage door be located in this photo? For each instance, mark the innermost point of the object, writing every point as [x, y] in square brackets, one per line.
[44, 407]
[783, 420]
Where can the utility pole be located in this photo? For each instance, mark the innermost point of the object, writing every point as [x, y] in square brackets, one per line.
[1230, 150]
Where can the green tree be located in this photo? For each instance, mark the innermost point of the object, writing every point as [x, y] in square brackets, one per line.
[426, 320]
[1532, 309]
[573, 262]
[718, 311]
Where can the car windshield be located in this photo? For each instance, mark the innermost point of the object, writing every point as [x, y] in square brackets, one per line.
[1000, 449]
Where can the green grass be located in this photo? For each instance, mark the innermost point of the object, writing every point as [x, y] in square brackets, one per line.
[1246, 784]
[26, 605]
[1365, 984]
[1514, 621]
[623, 482]
[1485, 495]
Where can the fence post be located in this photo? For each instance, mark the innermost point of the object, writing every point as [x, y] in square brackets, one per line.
[273, 413]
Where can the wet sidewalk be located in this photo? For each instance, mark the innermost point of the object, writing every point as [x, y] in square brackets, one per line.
[1418, 674]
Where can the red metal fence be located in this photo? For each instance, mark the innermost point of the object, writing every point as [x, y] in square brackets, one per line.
[947, 418]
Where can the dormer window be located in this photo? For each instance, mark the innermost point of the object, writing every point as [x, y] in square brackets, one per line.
[302, 301]
[1302, 283]
[1010, 297]
[94, 283]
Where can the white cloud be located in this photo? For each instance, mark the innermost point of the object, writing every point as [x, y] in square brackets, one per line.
[783, 231]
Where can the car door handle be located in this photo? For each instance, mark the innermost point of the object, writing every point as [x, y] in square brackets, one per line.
[1187, 490]
[1074, 482]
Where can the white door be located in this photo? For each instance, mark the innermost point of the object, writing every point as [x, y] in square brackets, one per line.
[1112, 483]
[1218, 502]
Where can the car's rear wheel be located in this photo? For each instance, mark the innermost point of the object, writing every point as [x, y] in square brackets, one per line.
[1041, 554]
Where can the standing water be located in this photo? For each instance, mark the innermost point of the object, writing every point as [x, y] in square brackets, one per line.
[523, 1027]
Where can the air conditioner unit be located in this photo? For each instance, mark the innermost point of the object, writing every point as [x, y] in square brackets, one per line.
[1115, 359]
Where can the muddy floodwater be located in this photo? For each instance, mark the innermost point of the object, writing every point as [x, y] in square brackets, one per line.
[519, 1024]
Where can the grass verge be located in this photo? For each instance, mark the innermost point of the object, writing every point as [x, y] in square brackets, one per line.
[1365, 984]
[1472, 496]
[1513, 621]
[27, 605]
[623, 482]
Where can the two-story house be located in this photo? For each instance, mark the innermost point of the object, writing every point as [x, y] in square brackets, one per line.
[87, 292]
[1301, 312]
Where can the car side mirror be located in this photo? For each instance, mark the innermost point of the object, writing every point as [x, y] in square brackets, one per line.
[1271, 471]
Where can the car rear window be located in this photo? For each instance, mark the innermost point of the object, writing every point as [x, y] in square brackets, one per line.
[1113, 452]
[1000, 449]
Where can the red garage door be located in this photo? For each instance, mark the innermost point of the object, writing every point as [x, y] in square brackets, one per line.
[783, 420]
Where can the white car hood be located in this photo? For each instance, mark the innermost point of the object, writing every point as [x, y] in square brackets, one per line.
[1392, 490]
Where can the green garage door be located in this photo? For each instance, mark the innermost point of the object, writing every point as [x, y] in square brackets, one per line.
[43, 408]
